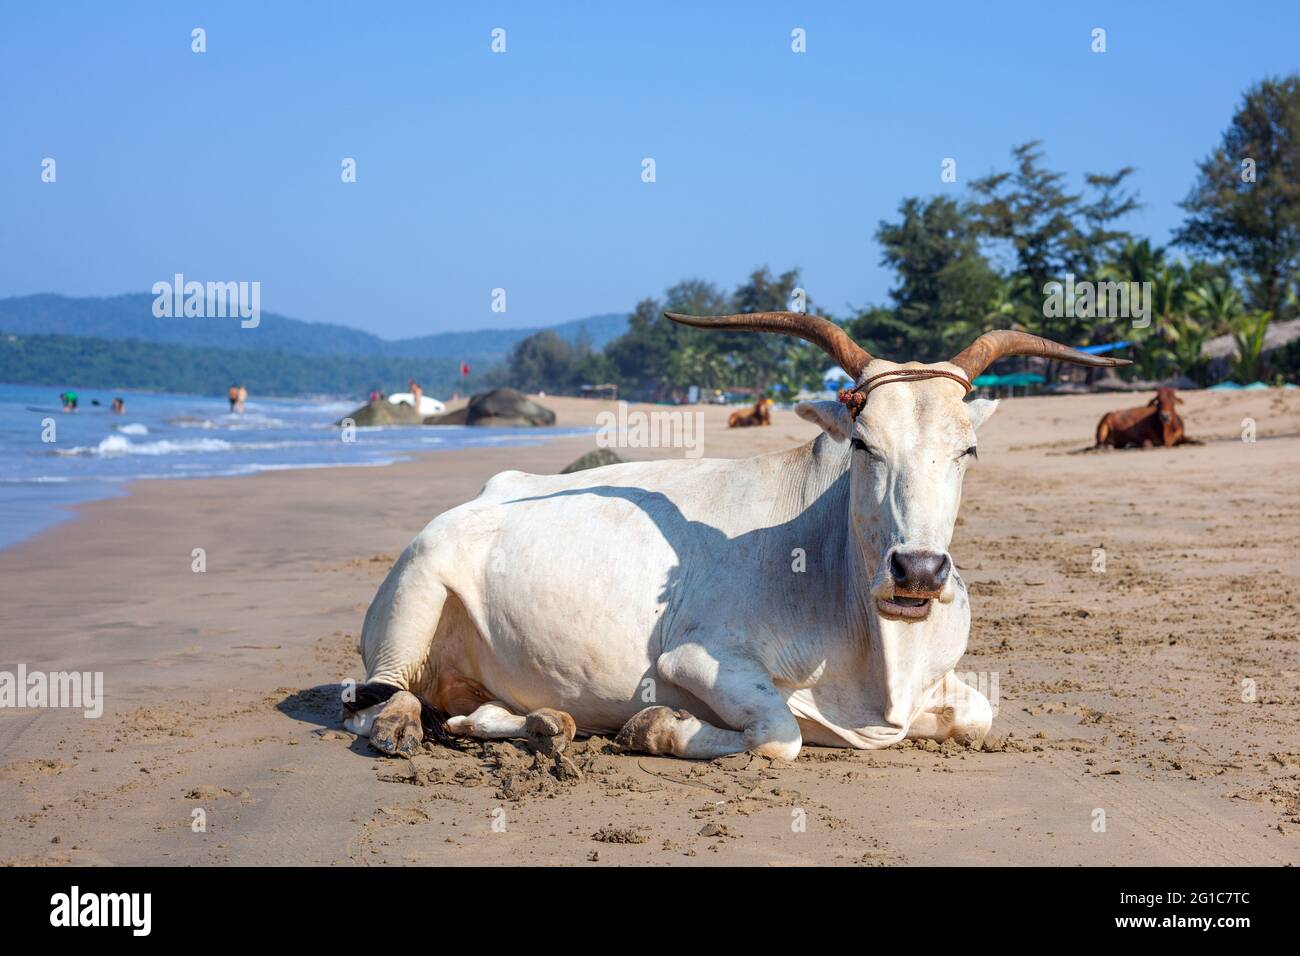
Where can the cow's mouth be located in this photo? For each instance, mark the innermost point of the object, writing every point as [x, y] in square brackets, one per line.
[904, 608]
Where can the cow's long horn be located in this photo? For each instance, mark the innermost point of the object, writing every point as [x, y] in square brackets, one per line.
[825, 334]
[991, 346]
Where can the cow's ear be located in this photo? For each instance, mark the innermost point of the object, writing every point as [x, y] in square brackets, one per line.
[980, 410]
[1154, 402]
[831, 416]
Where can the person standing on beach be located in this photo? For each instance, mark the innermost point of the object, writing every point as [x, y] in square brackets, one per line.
[417, 393]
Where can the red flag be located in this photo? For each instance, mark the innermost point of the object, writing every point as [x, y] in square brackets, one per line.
[464, 368]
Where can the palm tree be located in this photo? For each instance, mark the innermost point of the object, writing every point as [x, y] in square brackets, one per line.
[1248, 334]
[802, 368]
[1217, 303]
[1172, 293]
[1158, 344]
[1136, 261]
[698, 365]
[1001, 310]
[1152, 354]
[1186, 339]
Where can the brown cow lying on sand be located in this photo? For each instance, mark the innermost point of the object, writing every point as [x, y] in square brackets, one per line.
[1155, 423]
[758, 415]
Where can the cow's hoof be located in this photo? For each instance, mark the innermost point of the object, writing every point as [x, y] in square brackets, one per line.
[549, 731]
[650, 730]
[396, 735]
[968, 728]
[972, 734]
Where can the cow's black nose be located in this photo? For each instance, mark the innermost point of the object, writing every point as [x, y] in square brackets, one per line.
[919, 572]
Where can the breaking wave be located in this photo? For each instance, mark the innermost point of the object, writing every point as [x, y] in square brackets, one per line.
[115, 446]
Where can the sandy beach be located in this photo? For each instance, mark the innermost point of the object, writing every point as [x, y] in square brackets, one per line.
[1161, 696]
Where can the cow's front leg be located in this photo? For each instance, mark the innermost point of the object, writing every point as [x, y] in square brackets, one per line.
[393, 725]
[677, 733]
[957, 710]
[735, 687]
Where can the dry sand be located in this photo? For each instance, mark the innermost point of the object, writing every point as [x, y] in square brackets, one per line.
[1119, 692]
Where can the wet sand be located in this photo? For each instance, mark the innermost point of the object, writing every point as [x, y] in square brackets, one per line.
[1120, 694]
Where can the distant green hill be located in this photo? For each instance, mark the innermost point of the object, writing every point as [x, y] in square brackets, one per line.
[493, 345]
[81, 362]
[131, 317]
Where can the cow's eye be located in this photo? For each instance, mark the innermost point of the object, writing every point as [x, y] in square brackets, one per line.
[860, 445]
[971, 451]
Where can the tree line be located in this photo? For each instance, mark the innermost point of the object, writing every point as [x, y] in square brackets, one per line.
[992, 259]
[83, 362]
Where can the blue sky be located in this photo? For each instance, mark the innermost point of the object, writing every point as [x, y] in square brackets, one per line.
[523, 170]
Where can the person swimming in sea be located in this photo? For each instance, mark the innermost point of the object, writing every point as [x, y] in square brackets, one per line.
[237, 395]
[118, 406]
[69, 400]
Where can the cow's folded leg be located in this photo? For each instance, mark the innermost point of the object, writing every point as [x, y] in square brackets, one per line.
[676, 733]
[738, 689]
[933, 723]
[958, 711]
[547, 731]
[491, 721]
[395, 645]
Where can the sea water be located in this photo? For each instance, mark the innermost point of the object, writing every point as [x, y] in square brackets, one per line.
[94, 453]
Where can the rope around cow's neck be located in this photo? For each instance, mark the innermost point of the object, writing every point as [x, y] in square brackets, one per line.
[854, 399]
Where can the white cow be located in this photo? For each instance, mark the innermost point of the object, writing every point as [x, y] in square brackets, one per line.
[661, 600]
